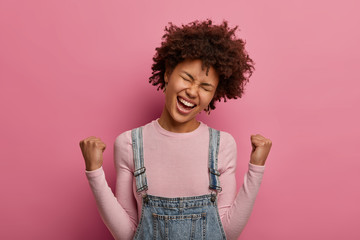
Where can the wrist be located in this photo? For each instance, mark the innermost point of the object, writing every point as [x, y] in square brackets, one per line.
[92, 167]
[259, 163]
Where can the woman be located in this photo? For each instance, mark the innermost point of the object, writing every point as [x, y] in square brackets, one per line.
[175, 175]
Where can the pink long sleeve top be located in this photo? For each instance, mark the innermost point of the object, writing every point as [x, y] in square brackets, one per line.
[176, 166]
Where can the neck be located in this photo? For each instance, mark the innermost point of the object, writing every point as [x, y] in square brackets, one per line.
[169, 124]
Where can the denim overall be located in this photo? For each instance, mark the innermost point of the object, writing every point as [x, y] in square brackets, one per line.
[178, 218]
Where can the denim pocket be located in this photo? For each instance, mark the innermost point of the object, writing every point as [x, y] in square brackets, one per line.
[191, 226]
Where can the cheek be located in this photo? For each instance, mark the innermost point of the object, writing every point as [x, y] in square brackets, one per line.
[210, 96]
[167, 98]
[205, 100]
[170, 97]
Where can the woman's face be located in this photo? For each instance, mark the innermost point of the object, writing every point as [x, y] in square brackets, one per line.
[189, 90]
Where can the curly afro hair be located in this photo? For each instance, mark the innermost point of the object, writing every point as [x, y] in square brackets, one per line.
[214, 45]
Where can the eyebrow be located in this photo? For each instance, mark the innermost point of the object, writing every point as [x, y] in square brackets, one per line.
[190, 76]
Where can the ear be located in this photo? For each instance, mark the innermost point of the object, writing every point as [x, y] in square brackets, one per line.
[166, 78]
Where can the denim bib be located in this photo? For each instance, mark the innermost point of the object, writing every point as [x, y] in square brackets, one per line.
[194, 217]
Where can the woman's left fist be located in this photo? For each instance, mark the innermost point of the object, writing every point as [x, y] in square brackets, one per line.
[260, 149]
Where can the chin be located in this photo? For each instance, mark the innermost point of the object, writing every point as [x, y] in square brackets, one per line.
[183, 119]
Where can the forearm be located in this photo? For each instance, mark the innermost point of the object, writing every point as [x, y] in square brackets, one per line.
[112, 213]
[238, 214]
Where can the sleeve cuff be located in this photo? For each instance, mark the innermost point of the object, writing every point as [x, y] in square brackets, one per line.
[256, 168]
[94, 173]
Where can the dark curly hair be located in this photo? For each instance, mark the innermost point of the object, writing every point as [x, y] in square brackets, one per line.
[214, 45]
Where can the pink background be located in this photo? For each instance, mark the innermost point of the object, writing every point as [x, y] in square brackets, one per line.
[72, 69]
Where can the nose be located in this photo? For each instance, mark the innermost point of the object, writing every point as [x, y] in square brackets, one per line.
[191, 91]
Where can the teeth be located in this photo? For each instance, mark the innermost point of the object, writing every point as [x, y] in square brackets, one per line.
[186, 103]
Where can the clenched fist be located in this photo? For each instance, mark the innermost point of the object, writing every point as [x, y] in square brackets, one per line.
[92, 149]
[260, 149]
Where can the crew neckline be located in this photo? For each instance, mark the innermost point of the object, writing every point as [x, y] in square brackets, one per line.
[165, 132]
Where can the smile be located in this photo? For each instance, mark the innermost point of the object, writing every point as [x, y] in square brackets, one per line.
[184, 106]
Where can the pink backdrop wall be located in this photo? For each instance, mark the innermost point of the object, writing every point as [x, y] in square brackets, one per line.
[72, 69]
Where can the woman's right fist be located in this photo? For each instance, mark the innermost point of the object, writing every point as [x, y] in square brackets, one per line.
[92, 149]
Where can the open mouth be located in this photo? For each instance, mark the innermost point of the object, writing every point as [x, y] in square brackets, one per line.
[185, 106]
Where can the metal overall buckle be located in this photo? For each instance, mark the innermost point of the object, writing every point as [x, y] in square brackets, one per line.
[144, 194]
[145, 198]
[213, 195]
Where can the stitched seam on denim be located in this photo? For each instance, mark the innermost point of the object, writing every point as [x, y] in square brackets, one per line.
[193, 226]
[214, 140]
[140, 222]
[216, 157]
[178, 217]
[204, 227]
[177, 199]
[175, 207]
[166, 229]
[138, 155]
[155, 227]
[219, 220]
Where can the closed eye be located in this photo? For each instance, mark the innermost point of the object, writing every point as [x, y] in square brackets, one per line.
[185, 79]
[207, 86]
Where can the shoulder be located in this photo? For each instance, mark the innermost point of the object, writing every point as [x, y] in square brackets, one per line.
[124, 138]
[226, 139]
[227, 152]
[123, 151]
[227, 144]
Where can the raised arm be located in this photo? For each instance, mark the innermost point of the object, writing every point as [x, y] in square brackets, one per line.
[114, 211]
[235, 208]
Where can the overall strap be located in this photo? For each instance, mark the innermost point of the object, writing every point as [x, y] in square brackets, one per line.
[138, 152]
[214, 141]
